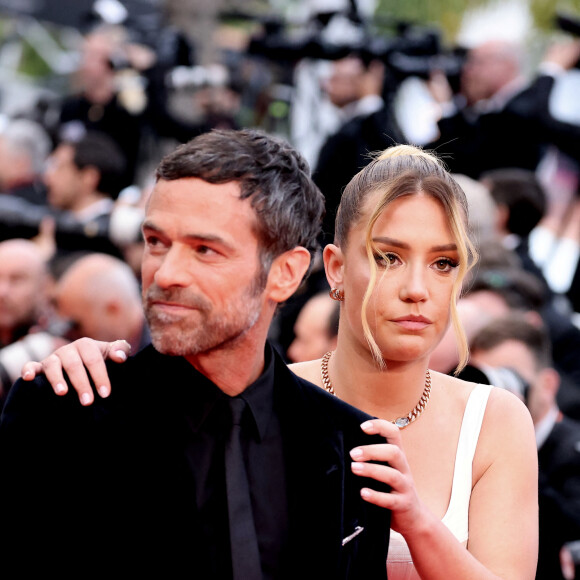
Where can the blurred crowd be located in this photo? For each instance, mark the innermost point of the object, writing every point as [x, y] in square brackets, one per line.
[74, 181]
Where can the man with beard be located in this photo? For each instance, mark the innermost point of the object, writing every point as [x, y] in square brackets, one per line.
[140, 480]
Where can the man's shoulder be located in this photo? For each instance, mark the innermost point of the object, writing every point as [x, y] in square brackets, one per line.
[566, 434]
[313, 401]
[148, 365]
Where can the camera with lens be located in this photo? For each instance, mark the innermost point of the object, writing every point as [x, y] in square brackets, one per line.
[411, 51]
[21, 219]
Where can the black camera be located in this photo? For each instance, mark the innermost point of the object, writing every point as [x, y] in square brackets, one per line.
[414, 51]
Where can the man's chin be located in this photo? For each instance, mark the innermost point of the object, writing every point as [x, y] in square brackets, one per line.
[170, 347]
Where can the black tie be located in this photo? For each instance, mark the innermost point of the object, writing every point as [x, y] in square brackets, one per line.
[243, 540]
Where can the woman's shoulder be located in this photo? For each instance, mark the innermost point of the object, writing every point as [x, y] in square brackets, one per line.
[500, 402]
[309, 370]
[507, 430]
[505, 413]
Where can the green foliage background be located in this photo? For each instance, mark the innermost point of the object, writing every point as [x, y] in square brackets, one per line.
[448, 13]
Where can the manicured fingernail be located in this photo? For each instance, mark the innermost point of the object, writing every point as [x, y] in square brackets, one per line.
[85, 399]
[357, 466]
[121, 354]
[103, 391]
[365, 493]
[367, 426]
[60, 389]
[356, 453]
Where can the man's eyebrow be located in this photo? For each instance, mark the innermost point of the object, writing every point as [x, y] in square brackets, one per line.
[403, 245]
[209, 238]
[150, 226]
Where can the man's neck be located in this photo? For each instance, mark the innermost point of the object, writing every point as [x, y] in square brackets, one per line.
[100, 93]
[231, 371]
[82, 207]
[236, 365]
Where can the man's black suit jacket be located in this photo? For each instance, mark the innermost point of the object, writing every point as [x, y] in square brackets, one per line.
[348, 151]
[517, 135]
[559, 468]
[107, 487]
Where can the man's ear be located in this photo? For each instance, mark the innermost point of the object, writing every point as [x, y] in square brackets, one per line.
[550, 381]
[286, 273]
[334, 266]
[91, 176]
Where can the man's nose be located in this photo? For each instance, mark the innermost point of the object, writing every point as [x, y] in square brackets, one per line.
[173, 270]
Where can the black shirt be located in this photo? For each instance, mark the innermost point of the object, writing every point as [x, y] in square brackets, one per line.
[208, 419]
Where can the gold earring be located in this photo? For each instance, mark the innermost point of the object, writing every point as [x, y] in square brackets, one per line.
[337, 294]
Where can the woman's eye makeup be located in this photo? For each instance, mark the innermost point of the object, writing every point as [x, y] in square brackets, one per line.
[446, 264]
[385, 258]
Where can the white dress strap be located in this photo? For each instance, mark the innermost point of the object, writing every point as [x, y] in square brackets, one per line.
[399, 562]
[457, 516]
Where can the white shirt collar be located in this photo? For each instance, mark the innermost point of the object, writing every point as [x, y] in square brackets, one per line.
[544, 427]
[102, 207]
[363, 107]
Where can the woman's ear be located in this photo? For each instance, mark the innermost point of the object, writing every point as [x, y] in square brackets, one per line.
[334, 265]
[286, 273]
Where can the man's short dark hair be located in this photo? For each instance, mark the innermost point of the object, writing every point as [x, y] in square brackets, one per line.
[98, 150]
[515, 326]
[520, 289]
[270, 172]
[521, 192]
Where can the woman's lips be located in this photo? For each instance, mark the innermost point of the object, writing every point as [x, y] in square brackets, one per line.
[412, 322]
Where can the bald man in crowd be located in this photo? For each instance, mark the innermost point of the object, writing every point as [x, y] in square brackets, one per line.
[100, 298]
[315, 329]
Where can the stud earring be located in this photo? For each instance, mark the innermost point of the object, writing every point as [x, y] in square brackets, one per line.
[337, 294]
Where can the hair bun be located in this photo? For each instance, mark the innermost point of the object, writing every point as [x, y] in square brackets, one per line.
[399, 150]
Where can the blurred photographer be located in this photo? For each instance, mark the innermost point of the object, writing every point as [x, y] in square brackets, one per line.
[499, 119]
[95, 103]
[86, 210]
[513, 342]
[83, 179]
[355, 87]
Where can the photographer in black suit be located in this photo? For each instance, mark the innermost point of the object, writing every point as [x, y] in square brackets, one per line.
[499, 119]
[368, 125]
[513, 342]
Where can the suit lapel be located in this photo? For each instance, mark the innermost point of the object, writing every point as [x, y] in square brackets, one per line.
[325, 505]
[314, 462]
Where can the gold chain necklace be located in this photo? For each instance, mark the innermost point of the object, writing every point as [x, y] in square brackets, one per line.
[401, 422]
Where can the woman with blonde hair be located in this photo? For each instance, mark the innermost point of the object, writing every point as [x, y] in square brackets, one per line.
[462, 462]
[460, 458]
